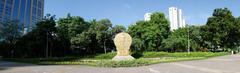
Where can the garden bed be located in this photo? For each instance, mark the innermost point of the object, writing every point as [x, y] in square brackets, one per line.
[104, 60]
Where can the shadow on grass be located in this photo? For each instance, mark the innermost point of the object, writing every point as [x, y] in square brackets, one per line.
[3, 69]
[36, 61]
[6, 65]
[137, 55]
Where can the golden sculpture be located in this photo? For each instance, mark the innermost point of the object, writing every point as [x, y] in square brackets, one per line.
[123, 42]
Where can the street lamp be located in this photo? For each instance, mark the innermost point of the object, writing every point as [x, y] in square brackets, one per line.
[47, 44]
[53, 34]
[188, 50]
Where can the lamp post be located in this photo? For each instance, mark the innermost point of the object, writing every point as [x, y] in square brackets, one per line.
[51, 42]
[188, 50]
[47, 44]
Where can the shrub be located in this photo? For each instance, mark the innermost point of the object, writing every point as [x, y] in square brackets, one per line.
[105, 56]
[154, 54]
[137, 55]
[104, 60]
[182, 54]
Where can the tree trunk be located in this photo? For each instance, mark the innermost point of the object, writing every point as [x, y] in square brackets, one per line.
[104, 45]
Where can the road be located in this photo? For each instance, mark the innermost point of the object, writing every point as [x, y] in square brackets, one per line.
[224, 64]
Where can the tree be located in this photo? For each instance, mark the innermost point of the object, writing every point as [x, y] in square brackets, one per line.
[69, 28]
[99, 33]
[118, 28]
[177, 41]
[42, 41]
[196, 40]
[137, 44]
[221, 30]
[72, 25]
[10, 34]
[235, 34]
[152, 32]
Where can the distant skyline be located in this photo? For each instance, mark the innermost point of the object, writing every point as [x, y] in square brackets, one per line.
[126, 12]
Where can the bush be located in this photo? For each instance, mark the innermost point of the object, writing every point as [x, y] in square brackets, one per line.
[106, 56]
[110, 63]
[130, 63]
[104, 60]
[182, 54]
[154, 54]
[137, 55]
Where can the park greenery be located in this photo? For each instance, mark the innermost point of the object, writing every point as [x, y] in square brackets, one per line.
[74, 36]
[104, 60]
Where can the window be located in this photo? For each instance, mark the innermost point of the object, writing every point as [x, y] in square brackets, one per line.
[15, 9]
[28, 12]
[22, 11]
[9, 1]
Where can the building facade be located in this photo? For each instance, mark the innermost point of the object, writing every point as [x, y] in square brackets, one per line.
[26, 12]
[176, 18]
[147, 16]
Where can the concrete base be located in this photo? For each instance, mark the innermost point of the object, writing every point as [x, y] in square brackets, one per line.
[122, 58]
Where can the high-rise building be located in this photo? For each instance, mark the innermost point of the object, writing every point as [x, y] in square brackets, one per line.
[176, 18]
[183, 23]
[147, 16]
[27, 12]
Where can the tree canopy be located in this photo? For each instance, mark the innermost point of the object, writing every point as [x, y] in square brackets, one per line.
[150, 34]
[72, 35]
[222, 30]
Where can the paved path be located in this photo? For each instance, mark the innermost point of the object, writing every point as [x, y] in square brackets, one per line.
[225, 64]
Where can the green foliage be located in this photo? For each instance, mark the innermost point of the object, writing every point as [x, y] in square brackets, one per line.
[137, 44]
[110, 63]
[72, 25]
[105, 56]
[11, 31]
[98, 33]
[221, 30]
[177, 41]
[195, 39]
[118, 28]
[42, 41]
[69, 28]
[81, 35]
[75, 36]
[9, 35]
[154, 54]
[150, 33]
[182, 54]
[5, 51]
[105, 61]
[136, 54]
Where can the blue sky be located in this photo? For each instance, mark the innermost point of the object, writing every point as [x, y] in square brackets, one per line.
[126, 12]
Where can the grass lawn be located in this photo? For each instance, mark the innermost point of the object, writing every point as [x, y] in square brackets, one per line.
[104, 60]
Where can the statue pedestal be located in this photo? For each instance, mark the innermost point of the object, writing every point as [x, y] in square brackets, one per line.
[123, 58]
